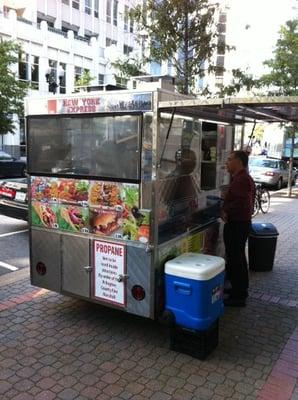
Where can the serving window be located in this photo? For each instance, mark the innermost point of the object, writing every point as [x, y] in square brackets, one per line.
[105, 146]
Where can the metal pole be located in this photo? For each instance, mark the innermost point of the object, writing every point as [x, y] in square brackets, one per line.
[291, 159]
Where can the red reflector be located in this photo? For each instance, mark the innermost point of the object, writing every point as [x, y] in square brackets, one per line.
[41, 269]
[138, 292]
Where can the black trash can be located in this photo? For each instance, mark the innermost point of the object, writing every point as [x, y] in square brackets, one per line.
[261, 246]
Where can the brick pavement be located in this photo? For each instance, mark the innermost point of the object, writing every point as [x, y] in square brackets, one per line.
[55, 347]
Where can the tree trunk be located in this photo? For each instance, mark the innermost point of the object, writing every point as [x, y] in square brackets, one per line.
[186, 54]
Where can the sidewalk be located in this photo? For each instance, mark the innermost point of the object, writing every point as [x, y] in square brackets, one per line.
[55, 347]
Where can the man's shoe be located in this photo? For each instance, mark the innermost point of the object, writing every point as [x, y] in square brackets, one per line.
[233, 302]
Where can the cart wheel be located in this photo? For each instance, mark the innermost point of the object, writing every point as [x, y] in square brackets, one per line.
[167, 318]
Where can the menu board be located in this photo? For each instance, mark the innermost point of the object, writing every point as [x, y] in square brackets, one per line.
[88, 206]
[109, 268]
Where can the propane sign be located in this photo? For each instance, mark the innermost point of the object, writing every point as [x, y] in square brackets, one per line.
[109, 269]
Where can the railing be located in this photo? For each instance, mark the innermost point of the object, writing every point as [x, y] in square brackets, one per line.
[55, 30]
[26, 21]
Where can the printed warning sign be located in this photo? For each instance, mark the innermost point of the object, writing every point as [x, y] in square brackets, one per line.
[109, 268]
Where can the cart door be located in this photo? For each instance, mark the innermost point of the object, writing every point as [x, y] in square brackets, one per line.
[75, 265]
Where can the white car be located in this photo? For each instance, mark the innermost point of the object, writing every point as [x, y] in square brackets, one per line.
[269, 171]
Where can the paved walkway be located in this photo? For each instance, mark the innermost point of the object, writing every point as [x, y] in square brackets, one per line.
[55, 347]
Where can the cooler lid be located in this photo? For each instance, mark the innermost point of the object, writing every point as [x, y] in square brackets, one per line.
[263, 229]
[200, 267]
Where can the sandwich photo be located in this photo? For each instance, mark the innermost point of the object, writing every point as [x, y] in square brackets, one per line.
[104, 223]
[46, 216]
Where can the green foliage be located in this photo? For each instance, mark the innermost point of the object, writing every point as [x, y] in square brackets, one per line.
[85, 79]
[240, 80]
[283, 77]
[126, 68]
[182, 31]
[12, 91]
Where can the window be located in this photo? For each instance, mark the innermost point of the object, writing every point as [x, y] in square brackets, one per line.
[126, 11]
[76, 4]
[223, 18]
[62, 79]
[109, 11]
[101, 79]
[35, 72]
[221, 44]
[29, 69]
[131, 26]
[127, 49]
[220, 61]
[115, 13]
[86, 146]
[65, 2]
[24, 67]
[96, 7]
[78, 73]
[88, 7]
[110, 41]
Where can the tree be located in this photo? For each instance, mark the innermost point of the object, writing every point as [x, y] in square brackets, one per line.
[84, 80]
[127, 67]
[183, 32]
[283, 75]
[12, 91]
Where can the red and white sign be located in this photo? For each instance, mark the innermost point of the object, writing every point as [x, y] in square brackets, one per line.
[109, 267]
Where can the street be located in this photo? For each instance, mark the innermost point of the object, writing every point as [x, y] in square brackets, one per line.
[56, 347]
[14, 247]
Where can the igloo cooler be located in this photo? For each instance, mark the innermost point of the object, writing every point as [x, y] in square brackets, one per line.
[194, 289]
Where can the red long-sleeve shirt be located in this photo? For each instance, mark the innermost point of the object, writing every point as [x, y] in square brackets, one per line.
[239, 200]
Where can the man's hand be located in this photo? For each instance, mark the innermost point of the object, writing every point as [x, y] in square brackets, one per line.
[224, 216]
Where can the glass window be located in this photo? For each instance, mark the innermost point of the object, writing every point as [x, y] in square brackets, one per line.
[109, 11]
[96, 8]
[178, 150]
[101, 79]
[34, 72]
[115, 12]
[65, 2]
[24, 74]
[62, 79]
[131, 26]
[29, 69]
[257, 162]
[76, 4]
[88, 7]
[86, 146]
[126, 11]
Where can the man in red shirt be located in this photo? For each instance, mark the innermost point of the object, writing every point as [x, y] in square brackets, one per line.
[236, 213]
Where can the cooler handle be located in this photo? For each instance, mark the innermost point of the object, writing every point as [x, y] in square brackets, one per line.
[182, 288]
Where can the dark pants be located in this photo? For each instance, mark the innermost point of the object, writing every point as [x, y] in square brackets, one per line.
[235, 237]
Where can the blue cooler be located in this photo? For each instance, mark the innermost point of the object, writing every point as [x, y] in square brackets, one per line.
[194, 289]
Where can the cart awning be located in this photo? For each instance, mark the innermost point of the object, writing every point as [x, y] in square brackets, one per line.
[236, 110]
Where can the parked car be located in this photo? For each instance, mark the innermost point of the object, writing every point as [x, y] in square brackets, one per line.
[14, 198]
[10, 166]
[269, 171]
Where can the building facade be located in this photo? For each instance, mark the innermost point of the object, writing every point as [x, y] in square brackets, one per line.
[62, 39]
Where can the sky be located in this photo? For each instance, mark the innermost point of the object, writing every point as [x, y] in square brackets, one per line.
[253, 27]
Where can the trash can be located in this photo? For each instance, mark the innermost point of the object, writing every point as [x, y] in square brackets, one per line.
[261, 246]
[193, 289]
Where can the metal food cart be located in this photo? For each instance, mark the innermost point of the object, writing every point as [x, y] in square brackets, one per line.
[119, 183]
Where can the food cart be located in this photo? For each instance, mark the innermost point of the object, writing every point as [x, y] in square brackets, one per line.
[119, 183]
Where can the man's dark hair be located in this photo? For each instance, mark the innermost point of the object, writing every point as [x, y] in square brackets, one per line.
[242, 156]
